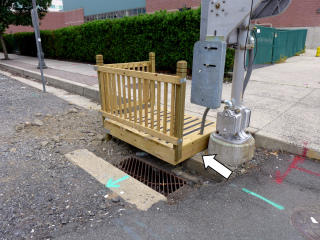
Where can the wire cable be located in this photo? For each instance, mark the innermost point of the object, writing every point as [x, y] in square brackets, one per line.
[245, 51]
[256, 48]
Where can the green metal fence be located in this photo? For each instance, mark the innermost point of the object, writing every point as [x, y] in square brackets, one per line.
[274, 44]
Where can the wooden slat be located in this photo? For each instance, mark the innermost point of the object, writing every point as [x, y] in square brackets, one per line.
[155, 114]
[145, 99]
[135, 99]
[124, 96]
[152, 97]
[102, 91]
[143, 75]
[158, 104]
[173, 95]
[140, 100]
[165, 109]
[112, 107]
[152, 132]
[119, 95]
[114, 90]
[129, 97]
[107, 91]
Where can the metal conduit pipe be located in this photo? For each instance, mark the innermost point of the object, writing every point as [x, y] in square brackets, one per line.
[228, 103]
[249, 72]
[204, 120]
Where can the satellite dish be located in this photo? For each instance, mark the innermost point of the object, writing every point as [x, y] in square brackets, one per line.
[268, 8]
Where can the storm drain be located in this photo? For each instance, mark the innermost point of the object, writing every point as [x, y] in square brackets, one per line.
[155, 178]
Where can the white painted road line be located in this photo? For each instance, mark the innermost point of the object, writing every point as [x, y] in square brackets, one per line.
[130, 189]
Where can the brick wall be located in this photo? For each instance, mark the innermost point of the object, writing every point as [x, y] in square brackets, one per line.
[299, 14]
[53, 20]
[74, 17]
[170, 5]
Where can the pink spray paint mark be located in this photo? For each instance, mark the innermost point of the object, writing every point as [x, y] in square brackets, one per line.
[297, 160]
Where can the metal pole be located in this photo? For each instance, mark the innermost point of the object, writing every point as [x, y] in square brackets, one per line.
[38, 42]
[238, 69]
[36, 29]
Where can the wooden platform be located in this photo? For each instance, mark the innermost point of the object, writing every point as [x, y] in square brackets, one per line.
[131, 95]
[192, 144]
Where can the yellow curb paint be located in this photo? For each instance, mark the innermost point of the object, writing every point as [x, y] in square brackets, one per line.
[313, 154]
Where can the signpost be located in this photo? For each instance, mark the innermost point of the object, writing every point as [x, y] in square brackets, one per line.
[35, 22]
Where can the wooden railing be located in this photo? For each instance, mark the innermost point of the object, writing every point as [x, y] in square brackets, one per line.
[147, 101]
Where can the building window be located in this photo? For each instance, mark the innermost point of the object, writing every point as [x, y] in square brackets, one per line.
[60, 7]
[115, 15]
[53, 6]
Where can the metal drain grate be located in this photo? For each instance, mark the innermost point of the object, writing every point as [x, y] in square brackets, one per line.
[155, 178]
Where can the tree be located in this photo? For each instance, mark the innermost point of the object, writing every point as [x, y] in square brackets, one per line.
[18, 12]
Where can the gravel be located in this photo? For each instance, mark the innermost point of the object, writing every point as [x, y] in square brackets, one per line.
[41, 193]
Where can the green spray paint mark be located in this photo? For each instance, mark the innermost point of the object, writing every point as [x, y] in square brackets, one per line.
[111, 184]
[264, 199]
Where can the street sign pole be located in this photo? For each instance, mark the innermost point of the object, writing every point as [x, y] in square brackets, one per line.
[35, 21]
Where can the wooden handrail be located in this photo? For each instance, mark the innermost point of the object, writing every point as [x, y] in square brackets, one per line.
[128, 65]
[143, 75]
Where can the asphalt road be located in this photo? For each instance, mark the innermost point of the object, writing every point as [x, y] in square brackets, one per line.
[224, 210]
[43, 196]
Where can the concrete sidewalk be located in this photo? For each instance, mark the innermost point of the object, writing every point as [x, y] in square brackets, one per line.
[284, 98]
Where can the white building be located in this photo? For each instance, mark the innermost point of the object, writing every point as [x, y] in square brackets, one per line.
[56, 6]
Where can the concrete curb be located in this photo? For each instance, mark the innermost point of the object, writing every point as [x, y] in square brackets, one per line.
[262, 139]
[267, 140]
[78, 88]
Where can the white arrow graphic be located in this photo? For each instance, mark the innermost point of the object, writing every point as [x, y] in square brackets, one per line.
[210, 161]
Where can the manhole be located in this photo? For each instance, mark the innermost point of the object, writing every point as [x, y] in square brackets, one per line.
[308, 223]
[155, 178]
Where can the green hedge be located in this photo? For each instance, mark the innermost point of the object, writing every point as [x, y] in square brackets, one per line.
[9, 41]
[170, 35]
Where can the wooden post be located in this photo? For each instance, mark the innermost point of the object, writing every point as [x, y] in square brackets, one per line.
[99, 61]
[152, 64]
[180, 105]
[152, 60]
